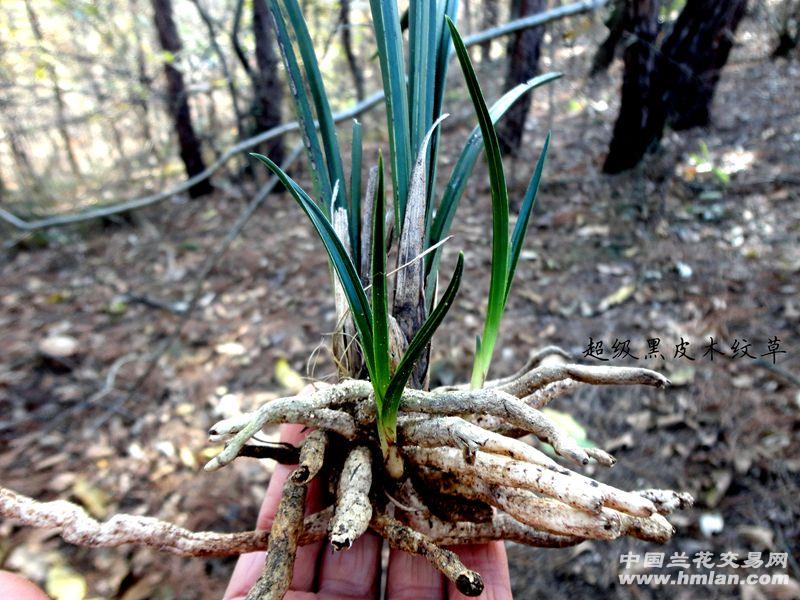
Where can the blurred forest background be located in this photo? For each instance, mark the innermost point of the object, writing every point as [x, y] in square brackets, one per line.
[151, 283]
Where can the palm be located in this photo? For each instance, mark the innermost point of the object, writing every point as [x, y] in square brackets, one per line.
[319, 572]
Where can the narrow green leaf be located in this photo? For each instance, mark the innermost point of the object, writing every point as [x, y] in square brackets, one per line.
[418, 344]
[449, 8]
[452, 194]
[305, 116]
[342, 264]
[403, 29]
[497, 183]
[390, 51]
[469, 155]
[327, 126]
[521, 227]
[422, 54]
[380, 294]
[354, 209]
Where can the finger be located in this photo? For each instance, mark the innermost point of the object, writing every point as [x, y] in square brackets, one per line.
[245, 574]
[19, 588]
[290, 595]
[353, 573]
[413, 578]
[491, 562]
[250, 566]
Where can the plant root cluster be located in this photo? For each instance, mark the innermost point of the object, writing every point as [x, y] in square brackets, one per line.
[466, 475]
[466, 478]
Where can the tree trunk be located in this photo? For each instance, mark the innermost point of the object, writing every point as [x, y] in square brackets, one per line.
[468, 25]
[674, 84]
[524, 49]
[787, 41]
[77, 30]
[230, 82]
[177, 98]
[267, 88]
[237, 46]
[116, 134]
[347, 43]
[26, 175]
[629, 142]
[61, 108]
[140, 87]
[608, 48]
[491, 17]
[693, 57]
[789, 33]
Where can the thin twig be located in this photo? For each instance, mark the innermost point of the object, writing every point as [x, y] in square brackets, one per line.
[359, 108]
[108, 387]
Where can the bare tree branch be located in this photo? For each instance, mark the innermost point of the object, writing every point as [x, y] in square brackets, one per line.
[359, 108]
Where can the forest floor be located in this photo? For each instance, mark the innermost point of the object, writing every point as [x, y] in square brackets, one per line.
[703, 240]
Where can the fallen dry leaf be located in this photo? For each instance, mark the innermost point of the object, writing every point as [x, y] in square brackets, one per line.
[93, 499]
[65, 584]
[288, 377]
[617, 298]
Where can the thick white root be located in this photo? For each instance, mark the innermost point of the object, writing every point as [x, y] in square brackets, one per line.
[498, 404]
[500, 470]
[539, 377]
[353, 509]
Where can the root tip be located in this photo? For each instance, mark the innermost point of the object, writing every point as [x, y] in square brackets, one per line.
[602, 457]
[470, 584]
[341, 543]
[301, 474]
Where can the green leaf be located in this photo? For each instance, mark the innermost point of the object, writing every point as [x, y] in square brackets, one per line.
[497, 183]
[416, 347]
[469, 155]
[449, 8]
[380, 295]
[327, 126]
[451, 197]
[422, 54]
[354, 210]
[305, 116]
[521, 227]
[342, 264]
[390, 51]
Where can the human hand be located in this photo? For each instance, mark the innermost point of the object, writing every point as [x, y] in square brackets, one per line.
[319, 572]
[14, 587]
